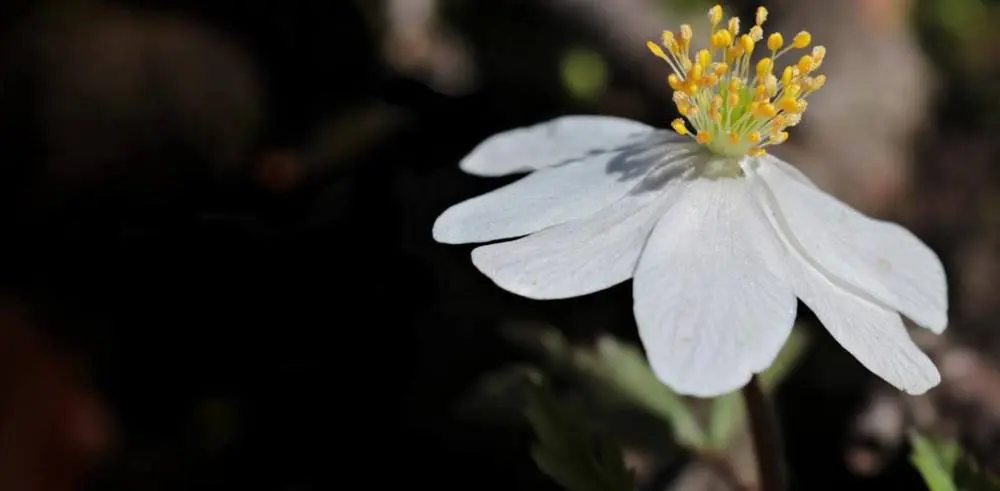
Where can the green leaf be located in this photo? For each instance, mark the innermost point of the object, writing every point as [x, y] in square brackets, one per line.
[935, 460]
[788, 358]
[725, 418]
[620, 369]
[568, 452]
[625, 368]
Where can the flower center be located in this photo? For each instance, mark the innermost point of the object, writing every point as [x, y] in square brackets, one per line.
[738, 108]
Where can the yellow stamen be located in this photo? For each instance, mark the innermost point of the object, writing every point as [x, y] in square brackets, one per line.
[721, 39]
[802, 40]
[734, 26]
[715, 15]
[806, 64]
[657, 50]
[737, 105]
[679, 126]
[775, 41]
[704, 59]
[761, 16]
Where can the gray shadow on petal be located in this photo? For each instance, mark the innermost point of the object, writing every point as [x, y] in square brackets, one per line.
[656, 161]
[632, 143]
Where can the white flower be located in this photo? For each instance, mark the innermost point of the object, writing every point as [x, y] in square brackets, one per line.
[719, 240]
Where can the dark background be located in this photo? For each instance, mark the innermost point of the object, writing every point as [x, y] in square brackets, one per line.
[215, 249]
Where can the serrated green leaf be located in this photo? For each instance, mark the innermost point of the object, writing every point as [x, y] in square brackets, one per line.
[935, 460]
[568, 452]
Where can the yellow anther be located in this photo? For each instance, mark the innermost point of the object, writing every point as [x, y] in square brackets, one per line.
[817, 83]
[735, 85]
[806, 64]
[670, 42]
[788, 104]
[694, 74]
[818, 53]
[675, 82]
[721, 39]
[704, 137]
[709, 80]
[657, 50]
[756, 33]
[792, 119]
[765, 111]
[787, 75]
[803, 105]
[733, 53]
[691, 88]
[704, 59]
[754, 137]
[775, 41]
[734, 26]
[715, 15]
[756, 152]
[734, 99]
[720, 69]
[771, 84]
[684, 43]
[679, 126]
[778, 123]
[686, 32]
[734, 137]
[761, 93]
[680, 97]
[802, 40]
[793, 90]
[779, 138]
[761, 15]
[746, 43]
[764, 67]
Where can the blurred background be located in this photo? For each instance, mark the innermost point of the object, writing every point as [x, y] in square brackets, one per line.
[217, 272]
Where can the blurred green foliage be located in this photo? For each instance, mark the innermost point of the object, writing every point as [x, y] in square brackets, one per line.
[584, 74]
[945, 467]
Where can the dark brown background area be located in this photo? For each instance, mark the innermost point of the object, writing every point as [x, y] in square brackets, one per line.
[215, 254]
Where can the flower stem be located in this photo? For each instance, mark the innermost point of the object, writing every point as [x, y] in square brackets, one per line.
[766, 436]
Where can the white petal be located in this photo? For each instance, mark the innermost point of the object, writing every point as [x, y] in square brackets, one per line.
[711, 297]
[878, 260]
[579, 257]
[551, 143]
[560, 194]
[872, 333]
[790, 170]
[875, 335]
